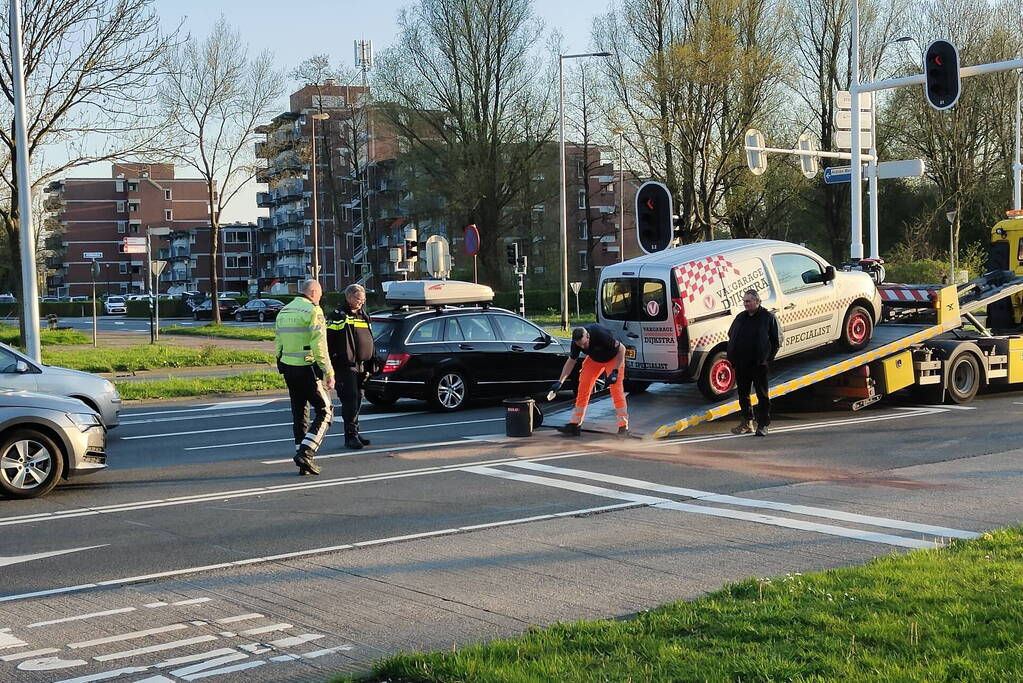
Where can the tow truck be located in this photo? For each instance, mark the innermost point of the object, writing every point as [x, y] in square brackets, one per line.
[929, 341]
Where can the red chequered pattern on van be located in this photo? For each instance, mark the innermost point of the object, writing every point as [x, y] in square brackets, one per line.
[709, 340]
[694, 277]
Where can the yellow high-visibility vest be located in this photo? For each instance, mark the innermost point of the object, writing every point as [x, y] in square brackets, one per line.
[302, 335]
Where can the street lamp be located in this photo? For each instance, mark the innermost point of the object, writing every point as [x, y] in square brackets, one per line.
[1017, 161]
[321, 116]
[561, 157]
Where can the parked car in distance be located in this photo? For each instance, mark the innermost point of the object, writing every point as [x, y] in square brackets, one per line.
[259, 309]
[115, 305]
[229, 294]
[18, 372]
[79, 299]
[48, 299]
[8, 299]
[204, 311]
[45, 439]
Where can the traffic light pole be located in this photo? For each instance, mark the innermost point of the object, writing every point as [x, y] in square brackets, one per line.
[856, 200]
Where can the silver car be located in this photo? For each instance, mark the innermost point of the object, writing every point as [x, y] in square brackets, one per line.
[44, 439]
[20, 373]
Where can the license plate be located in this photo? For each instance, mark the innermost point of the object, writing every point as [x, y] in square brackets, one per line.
[630, 352]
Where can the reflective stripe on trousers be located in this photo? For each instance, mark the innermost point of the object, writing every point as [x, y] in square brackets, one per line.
[591, 370]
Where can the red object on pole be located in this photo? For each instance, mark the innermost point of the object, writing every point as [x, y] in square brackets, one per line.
[472, 247]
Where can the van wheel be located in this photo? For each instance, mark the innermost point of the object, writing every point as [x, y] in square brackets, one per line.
[963, 378]
[857, 328]
[717, 379]
[633, 386]
[30, 464]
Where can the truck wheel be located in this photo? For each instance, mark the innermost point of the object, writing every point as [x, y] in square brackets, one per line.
[633, 386]
[857, 328]
[963, 378]
[30, 464]
[717, 378]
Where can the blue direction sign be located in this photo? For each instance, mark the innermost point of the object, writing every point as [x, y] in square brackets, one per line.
[837, 174]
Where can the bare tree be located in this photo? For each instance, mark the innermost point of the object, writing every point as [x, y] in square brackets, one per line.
[216, 96]
[464, 85]
[91, 67]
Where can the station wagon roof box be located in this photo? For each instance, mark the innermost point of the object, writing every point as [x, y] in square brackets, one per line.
[437, 293]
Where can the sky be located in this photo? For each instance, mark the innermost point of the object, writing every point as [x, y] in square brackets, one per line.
[295, 31]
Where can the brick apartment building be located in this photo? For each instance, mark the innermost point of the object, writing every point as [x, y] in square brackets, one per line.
[187, 252]
[95, 214]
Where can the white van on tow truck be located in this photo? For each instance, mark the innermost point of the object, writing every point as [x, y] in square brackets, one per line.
[672, 309]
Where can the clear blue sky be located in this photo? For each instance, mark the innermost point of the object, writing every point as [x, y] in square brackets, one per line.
[294, 31]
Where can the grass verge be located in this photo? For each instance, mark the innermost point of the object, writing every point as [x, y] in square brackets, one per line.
[151, 357]
[946, 614]
[200, 386]
[11, 336]
[223, 332]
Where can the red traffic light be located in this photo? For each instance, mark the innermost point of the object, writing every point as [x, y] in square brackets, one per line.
[941, 75]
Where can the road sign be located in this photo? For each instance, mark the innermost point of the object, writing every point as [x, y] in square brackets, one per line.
[834, 175]
[843, 139]
[576, 286]
[133, 249]
[906, 168]
[93, 254]
[158, 267]
[843, 119]
[755, 159]
[844, 100]
[807, 162]
[472, 240]
[133, 240]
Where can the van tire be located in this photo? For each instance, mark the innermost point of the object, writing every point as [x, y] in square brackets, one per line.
[857, 328]
[717, 377]
[633, 386]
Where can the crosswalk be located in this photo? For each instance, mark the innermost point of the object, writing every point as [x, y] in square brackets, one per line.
[184, 640]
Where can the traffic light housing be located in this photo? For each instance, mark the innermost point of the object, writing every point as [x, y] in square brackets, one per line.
[512, 251]
[654, 226]
[941, 75]
[411, 250]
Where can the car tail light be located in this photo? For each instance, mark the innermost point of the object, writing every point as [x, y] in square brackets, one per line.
[395, 361]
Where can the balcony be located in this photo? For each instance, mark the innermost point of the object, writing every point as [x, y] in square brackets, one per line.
[287, 219]
[266, 248]
[261, 149]
[179, 255]
[177, 276]
[289, 271]
[262, 175]
[288, 192]
[264, 223]
[290, 246]
[264, 200]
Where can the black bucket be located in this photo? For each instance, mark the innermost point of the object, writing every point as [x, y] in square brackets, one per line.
[518, 416]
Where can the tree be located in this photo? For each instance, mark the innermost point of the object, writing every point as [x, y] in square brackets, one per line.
[215, 96]
[465, 86]
[91, 67]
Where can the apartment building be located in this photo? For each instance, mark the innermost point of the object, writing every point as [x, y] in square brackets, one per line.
[93, 215]
[187, 253]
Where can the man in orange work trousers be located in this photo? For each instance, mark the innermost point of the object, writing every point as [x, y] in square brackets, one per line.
[604, 354]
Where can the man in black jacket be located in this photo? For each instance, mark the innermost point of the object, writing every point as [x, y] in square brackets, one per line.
[350, 345]
[753, 342]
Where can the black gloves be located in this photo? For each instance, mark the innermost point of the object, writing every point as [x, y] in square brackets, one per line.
[613, 377]
[556, 386]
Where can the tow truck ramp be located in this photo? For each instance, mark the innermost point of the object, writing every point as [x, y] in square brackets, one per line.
[890, 348]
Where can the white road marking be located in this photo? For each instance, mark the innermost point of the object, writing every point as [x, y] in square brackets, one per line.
[248, 403]
[195, 601]
[127, 636]
[304, 553]
[50, 664]
[195, 658]
[330, 650]
[154, 648]
[266, 629]
[17, 559]
[26, 655]
[152, 605]
[265, 490]
[297, 640]
[209, 664]
[218, 415]
[7, 640]
[106, 675]
[288, 424]
[364, 451]
[225, 670]
[155, 679]
[82, 616]
[667, 504]
[950, 407]
[711, 497]
[240, 617]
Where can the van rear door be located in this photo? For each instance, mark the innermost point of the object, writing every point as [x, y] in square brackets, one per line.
[636, 310]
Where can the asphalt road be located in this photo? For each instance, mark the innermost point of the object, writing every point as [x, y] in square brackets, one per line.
[119, 323]
[201, 553]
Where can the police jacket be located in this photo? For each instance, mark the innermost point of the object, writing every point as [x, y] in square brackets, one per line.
[753, 339]
[301, 335]
[349, 337]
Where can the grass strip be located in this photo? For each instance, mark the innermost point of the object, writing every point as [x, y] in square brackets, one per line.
[200, 386]
[151, 357]
[11, 336]
[948, 614]
[222, 332]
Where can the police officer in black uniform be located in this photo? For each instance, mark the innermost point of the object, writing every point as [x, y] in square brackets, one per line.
[350, 346]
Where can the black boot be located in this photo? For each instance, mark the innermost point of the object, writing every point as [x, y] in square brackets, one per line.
[570, 429]
[305, 463]
[353, 442]
[362, 439]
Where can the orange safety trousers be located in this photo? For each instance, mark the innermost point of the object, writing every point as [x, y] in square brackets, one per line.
[588, 377]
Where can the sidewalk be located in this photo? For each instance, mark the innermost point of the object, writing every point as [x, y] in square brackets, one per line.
[116, 338]
[186, 373]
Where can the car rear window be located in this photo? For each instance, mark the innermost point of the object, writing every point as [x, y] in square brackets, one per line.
[633, 299]
[382, 329]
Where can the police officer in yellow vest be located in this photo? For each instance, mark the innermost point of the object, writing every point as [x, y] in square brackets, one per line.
[302, 359]
[350, 343]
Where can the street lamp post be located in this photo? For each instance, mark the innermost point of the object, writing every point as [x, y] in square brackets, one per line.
[321, 116]
[1017, 161]
[621, 194]
[563, 231]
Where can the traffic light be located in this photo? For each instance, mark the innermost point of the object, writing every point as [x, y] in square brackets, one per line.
[941, 74]
[411, 250]
[654, 226]
[513, 253]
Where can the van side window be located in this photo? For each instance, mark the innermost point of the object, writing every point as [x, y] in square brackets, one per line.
[638, 299]
[790, 269]
[653, 305]
[616, 298]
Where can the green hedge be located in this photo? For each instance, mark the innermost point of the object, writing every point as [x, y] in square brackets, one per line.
[62, 309]
[542, 300]
[920, 272]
